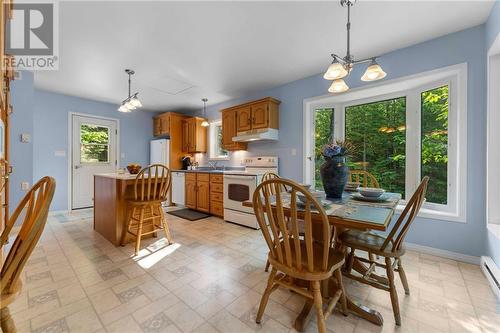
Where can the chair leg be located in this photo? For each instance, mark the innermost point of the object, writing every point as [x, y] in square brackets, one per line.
[139, 232]
[6, 322]
[350, 261]
[393, 291]
[343, 298]
[402, 275]
[318, 303]
[166, 229]
[265, 296]
[267, 266]
[127, 224]
[371, 256]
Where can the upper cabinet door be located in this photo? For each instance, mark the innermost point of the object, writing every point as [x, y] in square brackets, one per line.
[244, 119]
[156, 126]
[165, 124]
[228, 127]
[260, 115]
[185, 136]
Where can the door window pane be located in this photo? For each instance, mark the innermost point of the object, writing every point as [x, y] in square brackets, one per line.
[94, 144]
[323, 134]
[434, 136]
[378, 132]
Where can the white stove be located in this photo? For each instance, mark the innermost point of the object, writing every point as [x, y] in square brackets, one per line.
[240, 185]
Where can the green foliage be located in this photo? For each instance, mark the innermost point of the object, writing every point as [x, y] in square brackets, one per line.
[94, 142]
[378, 131]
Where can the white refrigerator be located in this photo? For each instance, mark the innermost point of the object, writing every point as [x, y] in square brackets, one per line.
[159, 152]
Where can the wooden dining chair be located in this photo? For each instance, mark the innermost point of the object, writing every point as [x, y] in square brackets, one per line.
[390, 247]
[145, 214]
[34, 209]
[364, 178]
[297, 258]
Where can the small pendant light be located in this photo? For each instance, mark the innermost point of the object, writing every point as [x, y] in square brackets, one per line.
[205, 122]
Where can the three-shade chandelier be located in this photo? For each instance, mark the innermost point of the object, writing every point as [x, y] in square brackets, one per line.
[341, 67]
[131, 102]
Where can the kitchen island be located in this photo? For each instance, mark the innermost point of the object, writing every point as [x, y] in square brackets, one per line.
[111, 192]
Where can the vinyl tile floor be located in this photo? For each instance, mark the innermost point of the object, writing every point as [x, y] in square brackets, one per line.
[211, 280]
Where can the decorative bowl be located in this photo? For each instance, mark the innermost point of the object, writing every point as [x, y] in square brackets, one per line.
[371, 192]
[133, 169]
[318, 195]
[352, 186]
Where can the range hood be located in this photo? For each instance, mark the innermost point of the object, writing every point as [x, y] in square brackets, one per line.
[264, 134]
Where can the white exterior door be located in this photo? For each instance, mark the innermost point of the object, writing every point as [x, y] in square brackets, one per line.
[94, 151]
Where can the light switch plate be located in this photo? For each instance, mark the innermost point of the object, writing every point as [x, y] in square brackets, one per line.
[25, 138]
[60, 153]
[294, 151]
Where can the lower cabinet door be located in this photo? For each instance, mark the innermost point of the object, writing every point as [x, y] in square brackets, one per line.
[203, 196]
[190, 201]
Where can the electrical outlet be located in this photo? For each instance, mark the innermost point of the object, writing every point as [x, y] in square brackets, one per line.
[25, 186]
[25, 138]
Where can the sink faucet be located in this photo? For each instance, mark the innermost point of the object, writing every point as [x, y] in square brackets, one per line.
[213, 165]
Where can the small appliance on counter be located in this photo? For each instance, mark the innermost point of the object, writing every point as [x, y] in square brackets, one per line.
[186, 162]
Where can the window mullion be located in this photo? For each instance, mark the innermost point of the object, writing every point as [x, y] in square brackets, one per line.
[413, 142]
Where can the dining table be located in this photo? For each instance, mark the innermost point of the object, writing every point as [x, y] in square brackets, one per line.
[352, 211]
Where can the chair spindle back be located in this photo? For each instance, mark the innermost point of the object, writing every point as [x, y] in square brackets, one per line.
[281, 231]
[272, 175]
[152, 183]
[407, 216]
[35, 209]
[363, 177]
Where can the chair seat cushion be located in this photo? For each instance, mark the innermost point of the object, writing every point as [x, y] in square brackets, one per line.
[368, 241]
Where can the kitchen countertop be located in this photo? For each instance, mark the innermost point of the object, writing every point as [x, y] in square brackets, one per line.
[115, 175]
[236, 171]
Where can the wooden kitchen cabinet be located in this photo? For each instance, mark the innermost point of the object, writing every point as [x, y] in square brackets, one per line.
[170, 124]
[195, 135]
[259, 114]
[198, 191]
[216, 195]
[229, 131]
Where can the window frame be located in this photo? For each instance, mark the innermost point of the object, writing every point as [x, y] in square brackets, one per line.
[213, 146]
[411, 88]
[108, 144]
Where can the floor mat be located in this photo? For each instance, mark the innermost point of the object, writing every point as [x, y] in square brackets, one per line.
[188, 214]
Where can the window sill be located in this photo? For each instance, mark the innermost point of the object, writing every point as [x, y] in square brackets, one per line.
[436, 215]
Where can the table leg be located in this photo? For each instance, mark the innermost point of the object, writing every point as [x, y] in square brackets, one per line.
[304, 316]
[365, 312]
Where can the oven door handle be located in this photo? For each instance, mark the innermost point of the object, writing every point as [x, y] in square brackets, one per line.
[239, 177]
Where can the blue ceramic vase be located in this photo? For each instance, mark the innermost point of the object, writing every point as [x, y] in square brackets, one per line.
[334, 173]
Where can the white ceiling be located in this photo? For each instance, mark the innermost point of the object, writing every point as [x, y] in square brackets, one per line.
[183, 51]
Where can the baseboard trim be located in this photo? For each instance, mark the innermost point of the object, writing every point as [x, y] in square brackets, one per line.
[492, 273]
[56, 212]
[444, 253]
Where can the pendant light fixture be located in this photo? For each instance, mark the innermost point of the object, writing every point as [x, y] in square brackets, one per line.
[341, 67]
[204, 123]
[131, 102]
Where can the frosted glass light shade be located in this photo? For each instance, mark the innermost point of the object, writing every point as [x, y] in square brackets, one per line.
[135, 102]
[373, 73]
[335, 71]
[123, 108]
[338, 86]
[204, 123]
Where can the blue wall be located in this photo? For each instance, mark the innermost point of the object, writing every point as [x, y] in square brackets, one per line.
[465, 46]
[51, 112]
[44, 115]
[21, 121]
[492, 30]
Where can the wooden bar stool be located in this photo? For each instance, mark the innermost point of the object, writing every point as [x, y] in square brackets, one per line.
[35, 207]
[145, 211]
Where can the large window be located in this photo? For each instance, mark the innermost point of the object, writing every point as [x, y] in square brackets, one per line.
[402, 131]
[217, 152]
[378, 132]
